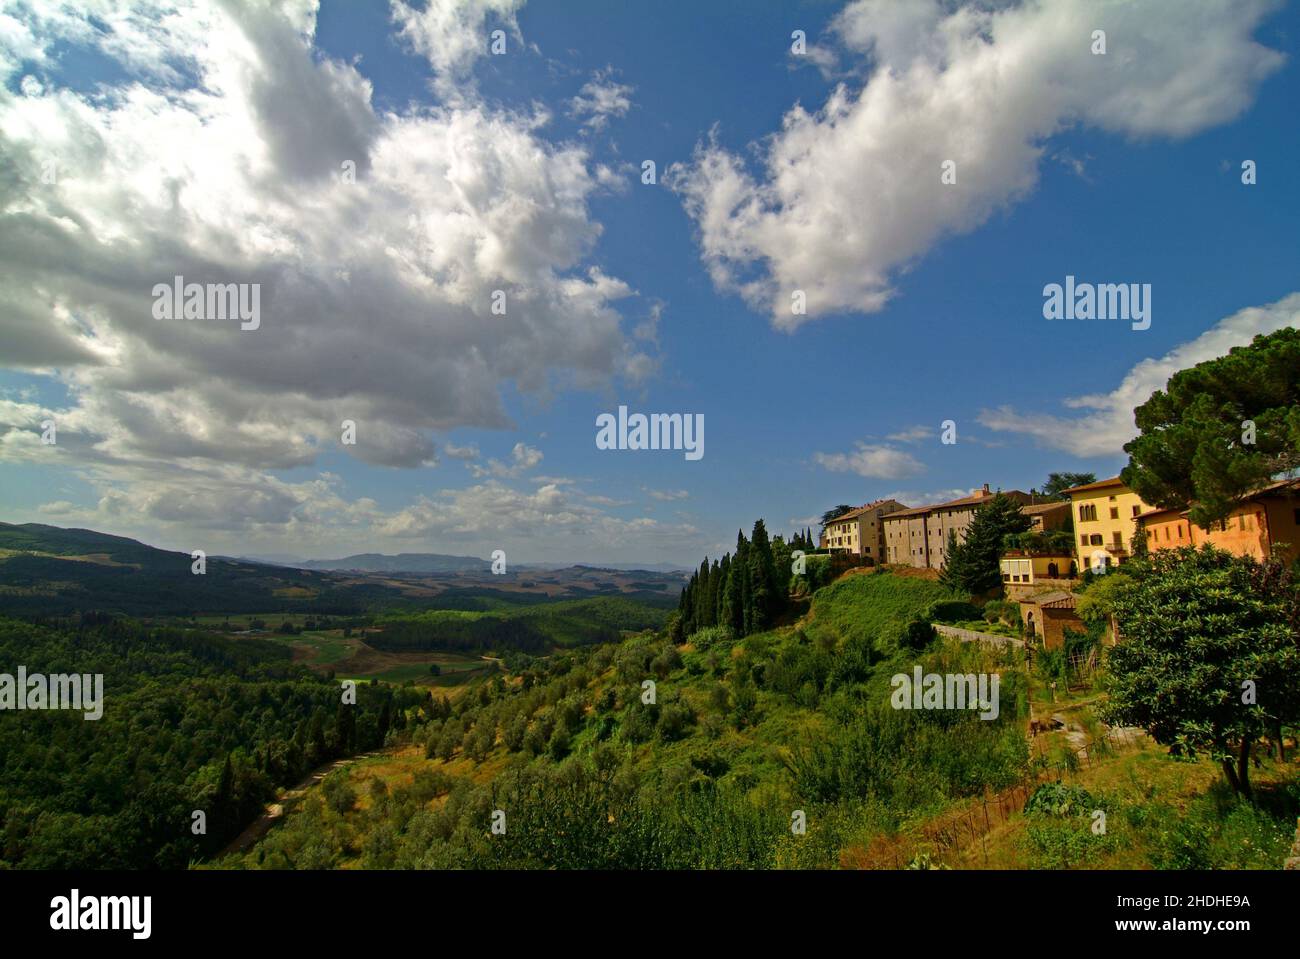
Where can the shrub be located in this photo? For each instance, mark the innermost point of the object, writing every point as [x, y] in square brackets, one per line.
[338, 791]
[1060, 799]
[674, 719]
[951, 611]
[1003, 611]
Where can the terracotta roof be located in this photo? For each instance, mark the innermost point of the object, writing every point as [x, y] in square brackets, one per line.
[974, 499]
[1157, 512]
[1275, 488]
[904, 513]
[1267, 490]
[1035, 508]
[1055, 600]
[854, 513]
[1100, 484]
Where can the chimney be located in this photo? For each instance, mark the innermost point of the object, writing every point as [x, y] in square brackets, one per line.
[986, 489]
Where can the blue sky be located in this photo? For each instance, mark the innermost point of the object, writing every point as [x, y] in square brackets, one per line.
[1117, 169]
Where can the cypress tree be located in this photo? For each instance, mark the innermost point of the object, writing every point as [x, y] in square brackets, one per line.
[764, 585]
[699, 613]
[724, 571]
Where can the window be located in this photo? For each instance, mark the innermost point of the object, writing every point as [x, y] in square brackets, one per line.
[1083, 541]
[1114, 512]
[1088, 513]
[1096, 539]
[1136, 510]
[1241, 522]
[1117, 539]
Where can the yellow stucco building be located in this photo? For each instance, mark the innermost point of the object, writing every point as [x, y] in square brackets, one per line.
[861, 531]
[1105, 515]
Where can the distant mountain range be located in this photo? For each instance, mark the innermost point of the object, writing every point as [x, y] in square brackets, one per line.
[439, 563]
[52, 571]
[401, 563]
[49, 570]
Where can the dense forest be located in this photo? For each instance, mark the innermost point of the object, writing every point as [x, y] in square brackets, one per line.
[191, 722]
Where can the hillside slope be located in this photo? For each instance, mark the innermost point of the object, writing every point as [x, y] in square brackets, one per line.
[747, 739]
[741, 736]
[49, 571]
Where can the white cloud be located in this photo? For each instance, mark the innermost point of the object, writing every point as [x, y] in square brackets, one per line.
[220, 160]
[1108, 423]
[600, 99]
[469, 452]
[872, 462]
[912, 434]
[492, 509]
[668, 495]
[849, 196]
[522, 459]
[453, 34]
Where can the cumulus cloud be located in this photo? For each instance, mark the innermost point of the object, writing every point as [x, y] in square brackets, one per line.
[493, 509]
[1108, 423]
[846, 197]
[522, 459]
[469, 452]
[453, 34]
[872, 462]
[226, 153]
[600, 99]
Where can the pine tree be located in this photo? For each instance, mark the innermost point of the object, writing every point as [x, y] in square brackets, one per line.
[972, 566]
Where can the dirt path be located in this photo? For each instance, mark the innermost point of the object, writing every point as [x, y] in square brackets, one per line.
[273, 812]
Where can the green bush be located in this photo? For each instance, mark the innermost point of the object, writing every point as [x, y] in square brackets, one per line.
[951, 611]
[1060, 799]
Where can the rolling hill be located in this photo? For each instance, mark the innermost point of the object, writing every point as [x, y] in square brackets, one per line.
[401, 563]
[51, 571]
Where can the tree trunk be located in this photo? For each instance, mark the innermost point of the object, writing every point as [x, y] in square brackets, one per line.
[1281, 741]
[1230, 774]
[1243, 767]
